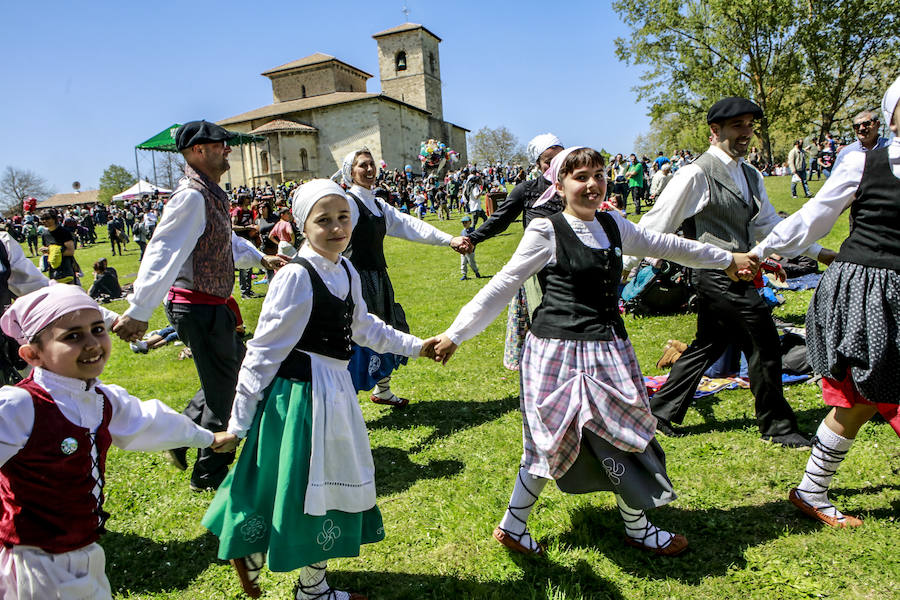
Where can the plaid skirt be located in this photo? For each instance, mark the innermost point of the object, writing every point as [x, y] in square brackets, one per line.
[570, 386]
[853, 324]
[518, 321]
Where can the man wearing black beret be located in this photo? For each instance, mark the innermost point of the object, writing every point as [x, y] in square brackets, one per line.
[190, 261]
[721, 199]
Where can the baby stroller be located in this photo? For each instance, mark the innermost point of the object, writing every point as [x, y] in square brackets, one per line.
[662, 288]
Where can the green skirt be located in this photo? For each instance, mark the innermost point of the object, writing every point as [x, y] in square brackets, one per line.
[259, 506]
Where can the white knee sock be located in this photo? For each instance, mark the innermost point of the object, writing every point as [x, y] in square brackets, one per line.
[637, 527]
[828, 451]
[383, 388]
[312, 585]
[254, 563]
[524, 495]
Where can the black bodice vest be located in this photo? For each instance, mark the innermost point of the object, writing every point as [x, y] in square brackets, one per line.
[328, 331]
[366, 249]
[581, 300]
[551, 207]
[874, 239]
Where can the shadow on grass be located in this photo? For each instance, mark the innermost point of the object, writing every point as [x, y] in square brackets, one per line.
[395, 472]
[447, 417]
[542, 580]
[806, 419]
[138, 564]
[719, 538]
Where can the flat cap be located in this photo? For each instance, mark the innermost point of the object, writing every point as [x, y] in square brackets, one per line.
[733, 106]
[200, 132]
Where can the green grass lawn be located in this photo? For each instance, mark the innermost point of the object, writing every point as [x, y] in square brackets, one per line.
[447, 463]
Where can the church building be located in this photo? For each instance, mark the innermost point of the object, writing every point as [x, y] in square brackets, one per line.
[322, 111]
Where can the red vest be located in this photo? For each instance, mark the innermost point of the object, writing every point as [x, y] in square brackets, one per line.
[46, 489]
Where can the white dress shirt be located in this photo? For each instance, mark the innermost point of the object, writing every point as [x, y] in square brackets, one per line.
[167, 259]
[402, 225]
[821, 212]
[135, 424]
[537, 249]
[858, 147]
[284, 316]
[688, 193]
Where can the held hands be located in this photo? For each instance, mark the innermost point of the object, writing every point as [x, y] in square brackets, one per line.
[129, 329]
[444, 349]
[273, 263]
[225, 442]
[743, 266]
[462, 244]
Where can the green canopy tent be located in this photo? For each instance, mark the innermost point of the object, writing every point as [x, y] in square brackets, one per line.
[164, 141]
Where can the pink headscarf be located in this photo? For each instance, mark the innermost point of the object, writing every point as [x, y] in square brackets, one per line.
[552, 175]
[32, 312]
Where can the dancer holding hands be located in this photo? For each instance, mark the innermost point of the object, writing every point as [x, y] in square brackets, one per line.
[587, 421]
[366, 252]
[853, 321]
[303, 489]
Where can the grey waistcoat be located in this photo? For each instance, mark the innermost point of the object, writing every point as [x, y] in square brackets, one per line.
[726, 221]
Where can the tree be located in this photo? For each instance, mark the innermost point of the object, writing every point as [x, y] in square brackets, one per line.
[169, 169]
[496, 146]
[851, 51]
[18, 184]
[115, 179]
[802, 61]
[702, 50]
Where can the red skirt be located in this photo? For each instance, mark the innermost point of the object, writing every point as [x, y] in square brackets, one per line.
[845, 395]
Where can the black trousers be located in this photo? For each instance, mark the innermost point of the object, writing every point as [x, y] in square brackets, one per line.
[218, 351]
[730, 312]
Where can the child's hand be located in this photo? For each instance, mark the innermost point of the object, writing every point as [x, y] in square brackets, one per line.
[427, 350]
[444, 349]
[225, 442]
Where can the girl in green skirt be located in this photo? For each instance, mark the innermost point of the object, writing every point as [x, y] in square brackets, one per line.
[303, 489]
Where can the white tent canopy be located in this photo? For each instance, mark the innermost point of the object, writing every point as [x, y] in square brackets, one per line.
[139, 189]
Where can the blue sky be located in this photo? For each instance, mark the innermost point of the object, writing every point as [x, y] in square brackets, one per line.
[84, 82]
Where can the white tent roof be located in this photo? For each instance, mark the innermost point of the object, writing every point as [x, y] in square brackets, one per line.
[140, 188]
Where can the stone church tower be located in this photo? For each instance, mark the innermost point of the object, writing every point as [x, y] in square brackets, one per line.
[410, 67]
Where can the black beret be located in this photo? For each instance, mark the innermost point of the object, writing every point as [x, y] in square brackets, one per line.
[727, 108]
[200, 132]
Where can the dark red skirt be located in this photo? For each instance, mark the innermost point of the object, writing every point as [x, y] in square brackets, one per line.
[845, 395]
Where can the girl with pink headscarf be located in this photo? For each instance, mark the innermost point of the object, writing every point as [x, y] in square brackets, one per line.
[56, 427]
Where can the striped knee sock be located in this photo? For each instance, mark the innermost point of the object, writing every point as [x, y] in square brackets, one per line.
[828, 451]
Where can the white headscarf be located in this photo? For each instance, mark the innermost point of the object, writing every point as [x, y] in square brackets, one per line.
[311, 192]
[31, 313]
[540, 143]
[552, 175]
[889, 103]
[347, 165]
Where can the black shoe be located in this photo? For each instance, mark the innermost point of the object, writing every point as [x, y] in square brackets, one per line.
[667, 429]
[248, 295]
[788, 440]
[200, 489]
[178, 458]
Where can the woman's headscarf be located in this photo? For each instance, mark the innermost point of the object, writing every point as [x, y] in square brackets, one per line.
[31, 313]
[539, 144]
[311, 192]
[552, 175]
[889, 103]
[347, 165]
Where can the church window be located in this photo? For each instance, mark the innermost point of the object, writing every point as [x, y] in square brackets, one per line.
[431, 62]
[303, 91]
[264, 161]
[304, 160]
[400, 61]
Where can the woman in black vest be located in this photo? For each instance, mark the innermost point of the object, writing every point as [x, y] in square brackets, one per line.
[853, 322]
[366, 251]
[587, 421]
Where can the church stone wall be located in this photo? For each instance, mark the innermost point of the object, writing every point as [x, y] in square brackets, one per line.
[318, 80]
[420, 83]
